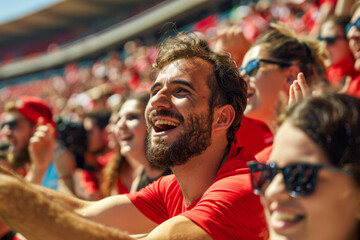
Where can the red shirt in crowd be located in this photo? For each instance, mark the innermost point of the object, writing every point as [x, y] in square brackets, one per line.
[227, 210]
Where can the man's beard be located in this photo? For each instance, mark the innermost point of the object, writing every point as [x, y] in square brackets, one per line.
[196, 137]
[19, 158]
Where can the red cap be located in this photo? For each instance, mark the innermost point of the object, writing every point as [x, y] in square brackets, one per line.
[33, 108]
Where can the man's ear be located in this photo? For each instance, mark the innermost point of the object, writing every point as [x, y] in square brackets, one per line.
[224, 117]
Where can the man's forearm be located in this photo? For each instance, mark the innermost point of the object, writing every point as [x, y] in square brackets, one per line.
[35, 216]
[70, 202]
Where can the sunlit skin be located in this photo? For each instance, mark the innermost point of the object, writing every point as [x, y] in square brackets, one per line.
[181, 88]
[354, 39]
[131, 129]
[332, 212]
[266, 88]
[19, 137]
[340, 49]
[175, 90]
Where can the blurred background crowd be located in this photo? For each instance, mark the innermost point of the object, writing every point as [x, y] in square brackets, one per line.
[85, 56]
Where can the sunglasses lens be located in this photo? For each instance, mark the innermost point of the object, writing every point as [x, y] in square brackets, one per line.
[330, 41]
[251, 67]
[11, 124]
[349, 25]
[300, 179]
[261, 176]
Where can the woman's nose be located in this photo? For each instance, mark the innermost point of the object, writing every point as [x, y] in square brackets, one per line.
[276, 190]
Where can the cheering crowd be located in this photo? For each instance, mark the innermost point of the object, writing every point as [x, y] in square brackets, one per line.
[241, 135]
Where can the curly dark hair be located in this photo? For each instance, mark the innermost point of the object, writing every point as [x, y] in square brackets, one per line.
[226, 84]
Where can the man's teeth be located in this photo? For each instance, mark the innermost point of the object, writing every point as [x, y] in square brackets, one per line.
[159, 123]
[286, 216]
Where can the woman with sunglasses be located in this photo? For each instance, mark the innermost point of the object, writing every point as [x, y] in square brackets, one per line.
[353, 35]
[311, 183]
[272, 64]
[340, 60]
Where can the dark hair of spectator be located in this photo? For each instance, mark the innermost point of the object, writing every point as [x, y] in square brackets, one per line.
[306, 52]
[100, 117]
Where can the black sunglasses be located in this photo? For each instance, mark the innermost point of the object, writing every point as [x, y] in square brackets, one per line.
[300, 178]
[12, 124]
[350, 25]
[253, 65]
[331, 40]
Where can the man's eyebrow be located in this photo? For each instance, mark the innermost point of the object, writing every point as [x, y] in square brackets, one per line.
[182, 82]
[176, 81]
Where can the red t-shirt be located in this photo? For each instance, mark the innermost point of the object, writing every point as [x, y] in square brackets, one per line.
[254, 135]
[336, 72]
[264, 155]
[227, 210]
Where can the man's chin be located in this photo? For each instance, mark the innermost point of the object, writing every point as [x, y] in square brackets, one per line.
[155, 140]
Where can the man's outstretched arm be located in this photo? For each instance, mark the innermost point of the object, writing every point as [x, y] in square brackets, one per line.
[47, 214]
[36, 217]
[22, 203]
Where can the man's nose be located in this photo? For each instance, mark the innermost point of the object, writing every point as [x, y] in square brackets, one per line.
[161, 100]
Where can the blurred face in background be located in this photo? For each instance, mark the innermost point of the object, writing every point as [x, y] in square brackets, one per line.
[336, 42]
[97, 138]
[266, 85]
[331, 212]
[18, 130]
[131, 128]
[353, 36]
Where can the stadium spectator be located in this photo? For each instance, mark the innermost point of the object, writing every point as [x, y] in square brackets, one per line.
[98, 153]
[310, 185]
[353, 35]
[130, 170]
[33, 152]
[340, 59]
[195, 108]
[270, 67]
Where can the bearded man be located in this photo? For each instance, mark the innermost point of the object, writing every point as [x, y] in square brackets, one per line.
[195, 108]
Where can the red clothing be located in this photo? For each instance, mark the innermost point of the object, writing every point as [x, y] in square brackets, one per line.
[89, 179]
[336, 72]
[354, 88]
[254, 135]
[264, 155]
[227, 210]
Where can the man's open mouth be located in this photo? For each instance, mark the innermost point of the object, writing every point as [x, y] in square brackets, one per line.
[164, 125]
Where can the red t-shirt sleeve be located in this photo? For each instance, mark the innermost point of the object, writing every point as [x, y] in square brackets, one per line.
[230, 210]
[152, 200]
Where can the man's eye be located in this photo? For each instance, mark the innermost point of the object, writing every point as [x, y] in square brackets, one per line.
[132, 117]
[153, 93]
[182, 91]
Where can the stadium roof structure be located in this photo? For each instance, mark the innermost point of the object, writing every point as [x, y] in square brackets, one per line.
[66, 14]
[148, 14]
